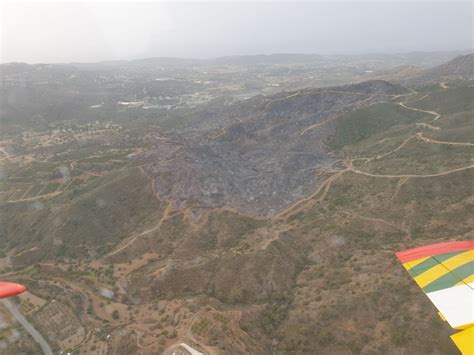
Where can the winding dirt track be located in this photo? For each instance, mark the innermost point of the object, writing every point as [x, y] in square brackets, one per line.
[320, 123]
[326, 185]
[433, 113]
[413, 175]
[433, 141]
[4, 152]
[392, 151]
[327, 91]
[52, 194]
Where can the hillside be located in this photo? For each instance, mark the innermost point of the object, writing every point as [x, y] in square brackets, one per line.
[243, 166]
[265, 225]
[459, 68]
[462, 66]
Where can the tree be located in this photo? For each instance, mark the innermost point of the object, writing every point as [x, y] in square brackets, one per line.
[115, 314]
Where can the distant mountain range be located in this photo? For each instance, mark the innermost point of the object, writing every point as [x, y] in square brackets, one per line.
[423, 59]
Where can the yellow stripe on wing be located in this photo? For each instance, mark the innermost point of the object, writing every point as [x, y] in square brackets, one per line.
[467, 280]
[411, 264]
[440, 270]
[464, 341]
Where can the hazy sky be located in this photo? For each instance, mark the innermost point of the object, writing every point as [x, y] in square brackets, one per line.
[64, 32]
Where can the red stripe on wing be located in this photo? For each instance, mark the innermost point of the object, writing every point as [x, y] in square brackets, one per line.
[433, 249]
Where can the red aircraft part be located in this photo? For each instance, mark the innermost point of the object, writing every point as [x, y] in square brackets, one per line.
[8, 289]
[433, 249]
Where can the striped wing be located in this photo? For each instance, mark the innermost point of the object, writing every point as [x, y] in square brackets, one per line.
[445, 272]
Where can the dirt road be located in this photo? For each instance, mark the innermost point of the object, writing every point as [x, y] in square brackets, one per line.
[428, 140]
[412, 175]
[433, 113]
[28, 327]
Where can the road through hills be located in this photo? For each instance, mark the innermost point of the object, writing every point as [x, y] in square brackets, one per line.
[28, 327]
